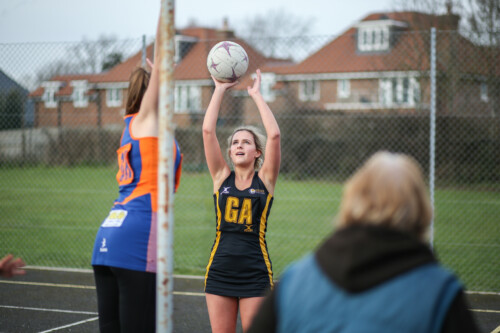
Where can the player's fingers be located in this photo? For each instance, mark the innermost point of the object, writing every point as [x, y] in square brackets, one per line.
[18, 262]
[5, 259]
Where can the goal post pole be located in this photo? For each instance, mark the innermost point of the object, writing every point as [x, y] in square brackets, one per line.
[165, 214]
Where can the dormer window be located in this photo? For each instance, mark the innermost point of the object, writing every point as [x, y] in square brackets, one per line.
[373, 39]
[79, 96]
[182, 46]
[375, 35]
[49, 93]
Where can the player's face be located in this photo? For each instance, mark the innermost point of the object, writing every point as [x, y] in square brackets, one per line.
[243, 149]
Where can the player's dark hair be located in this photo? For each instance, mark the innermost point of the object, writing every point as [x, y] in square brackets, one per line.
[138, 83]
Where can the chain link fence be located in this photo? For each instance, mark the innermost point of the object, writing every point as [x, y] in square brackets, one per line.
[337, 99]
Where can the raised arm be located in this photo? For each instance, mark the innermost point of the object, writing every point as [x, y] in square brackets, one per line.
[217, 166]
[271, 166]
[146, 123]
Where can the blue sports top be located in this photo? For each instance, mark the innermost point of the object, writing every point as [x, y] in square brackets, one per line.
[127, 237]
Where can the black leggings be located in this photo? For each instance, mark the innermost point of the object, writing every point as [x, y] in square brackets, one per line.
[126, 300]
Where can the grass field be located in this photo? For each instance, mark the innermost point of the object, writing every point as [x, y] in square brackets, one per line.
[50, 216]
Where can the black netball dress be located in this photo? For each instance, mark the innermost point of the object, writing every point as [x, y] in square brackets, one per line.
[239, 264]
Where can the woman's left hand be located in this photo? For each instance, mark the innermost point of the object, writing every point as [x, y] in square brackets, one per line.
[255, 89]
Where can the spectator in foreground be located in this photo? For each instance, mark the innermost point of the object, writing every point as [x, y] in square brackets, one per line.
[375, 273]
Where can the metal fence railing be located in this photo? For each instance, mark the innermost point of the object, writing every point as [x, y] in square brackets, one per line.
[335, 101]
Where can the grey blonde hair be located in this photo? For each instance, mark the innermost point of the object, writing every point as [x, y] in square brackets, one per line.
[259, 139]
[388, 190]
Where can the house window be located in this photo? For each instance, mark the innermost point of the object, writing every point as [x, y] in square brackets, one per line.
[343, 88]
[49, 97]
[187, 99]
[80, 100]
[399, 91]
[483, 91]
[113, 97]
[79, 96]
[268, 80]
[373, 38]
[182, 46]
[309, 90]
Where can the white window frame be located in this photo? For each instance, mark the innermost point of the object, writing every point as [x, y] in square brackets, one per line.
[343, 88]
[114, 97]
[268, 80]
[375, 38]
[79, 96]
[403, 90]
[187, 98]
[309, 90]
[483, 91]
[49, 93]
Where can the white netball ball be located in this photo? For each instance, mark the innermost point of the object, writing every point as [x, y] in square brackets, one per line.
[227, 61]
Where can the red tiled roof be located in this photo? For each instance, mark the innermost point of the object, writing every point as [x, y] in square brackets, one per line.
[194, 65]
[66, 88]
[340, 55]
[191, 67]
[409, 51]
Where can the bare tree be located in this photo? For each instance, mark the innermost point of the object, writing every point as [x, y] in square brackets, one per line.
[90, 56]
[482, 25]
[482, 20]
[277, 33]
[56, 68]
[112, 60]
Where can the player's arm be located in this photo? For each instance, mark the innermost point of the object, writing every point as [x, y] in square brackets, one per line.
[271, 166]
[147, 119]
[217, 166]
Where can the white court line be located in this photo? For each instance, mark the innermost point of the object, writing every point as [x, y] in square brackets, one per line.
[496, 330]
[71, 325]
[42, 284]
[86, 270]
[472, 292]
[47, 310]
[487, 311]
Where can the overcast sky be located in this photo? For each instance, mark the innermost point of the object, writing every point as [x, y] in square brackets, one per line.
[71, 20]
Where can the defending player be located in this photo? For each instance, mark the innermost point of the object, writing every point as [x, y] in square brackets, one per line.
[124, 257]
[239, 270]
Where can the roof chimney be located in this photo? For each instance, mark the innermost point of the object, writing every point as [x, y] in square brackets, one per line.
[225, 24]
[449, 7]
[225, 32]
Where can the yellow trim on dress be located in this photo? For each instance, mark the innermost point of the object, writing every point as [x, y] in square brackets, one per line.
[217, 237]
[263, 223]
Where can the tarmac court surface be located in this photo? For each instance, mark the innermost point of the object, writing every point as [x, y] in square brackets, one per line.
[52, 300]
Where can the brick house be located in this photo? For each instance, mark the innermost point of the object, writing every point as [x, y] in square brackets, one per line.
[382, 64]
[97, 100]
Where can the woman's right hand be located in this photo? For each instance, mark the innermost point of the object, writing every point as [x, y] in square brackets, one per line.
[224, 85]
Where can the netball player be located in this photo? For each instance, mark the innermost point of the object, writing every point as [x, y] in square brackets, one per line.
[124, 257]
[239, 270]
